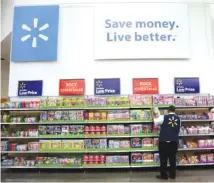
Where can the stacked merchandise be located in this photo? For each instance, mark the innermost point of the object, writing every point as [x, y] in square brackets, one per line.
[21, 147]
[119, 101]
[163, 100]
[145, 158]
[95, 144]
[199, 129]
[60, 102]
[61, 116]
[61, 145]
[95, 130]
[196, 158]
[141, 115]
[119, 144]
[6, 118]
[58, 161]
[21, 105]
[94, 160]
[140, 101]
[8, 132]
[104, 131]
[205, 143]
[65, 130]
[122, 160]
[144, 143]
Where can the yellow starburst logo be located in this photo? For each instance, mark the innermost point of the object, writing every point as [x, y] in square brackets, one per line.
[173, 121]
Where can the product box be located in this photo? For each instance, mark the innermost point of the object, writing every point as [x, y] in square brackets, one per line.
[148, 157]
[147, 142]
[136, 129]
[117, 160]
[140, 100]
[114, 144]
[65, 130]
[136, 143]
[44, 144]
[136, 158]
[146, 128]
[118, 115]
[42, 130]
[88, 144]
[146, 115]
[93, 101]
[124, 143]
[136, 115]
[121, 101]
[67, 144]
[78, 144]
[163, 100]
[55, 144]
[156, 158]
[103, 143]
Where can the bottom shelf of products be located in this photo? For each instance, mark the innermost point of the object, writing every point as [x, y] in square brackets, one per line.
[131, 160]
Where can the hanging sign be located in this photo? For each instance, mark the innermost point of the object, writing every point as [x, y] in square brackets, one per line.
[30, 88]
[145, 86]
[71, 87]
[187, 85]
[107, 86]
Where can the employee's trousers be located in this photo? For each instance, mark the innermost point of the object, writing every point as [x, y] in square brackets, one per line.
[168, 151]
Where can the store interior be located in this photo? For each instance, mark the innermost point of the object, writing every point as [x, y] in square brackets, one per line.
[82, 109]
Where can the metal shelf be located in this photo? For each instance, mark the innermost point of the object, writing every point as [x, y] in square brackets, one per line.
[200, 164]
[77, 122]
[108, 136]
[196, 149]
[103, 167]
[36, 123]
[21, 109]
[105, 151]
[198, 120]
[104, 108]
[195, 135]
[16, 167]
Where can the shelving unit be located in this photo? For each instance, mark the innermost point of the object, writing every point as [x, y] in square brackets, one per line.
[106, 122]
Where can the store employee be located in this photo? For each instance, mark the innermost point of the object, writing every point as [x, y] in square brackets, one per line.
[168, 141]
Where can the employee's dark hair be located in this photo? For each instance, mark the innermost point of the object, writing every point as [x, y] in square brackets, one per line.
[171, 108]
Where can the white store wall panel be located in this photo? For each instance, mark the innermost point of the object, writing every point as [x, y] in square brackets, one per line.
[75, 58]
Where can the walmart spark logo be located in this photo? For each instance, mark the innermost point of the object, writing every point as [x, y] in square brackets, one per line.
[179, 82]
[22, 86]
[173, 121]
[99, 83]
[34, 38]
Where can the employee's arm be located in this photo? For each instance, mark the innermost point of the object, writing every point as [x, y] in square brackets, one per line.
[159, 120]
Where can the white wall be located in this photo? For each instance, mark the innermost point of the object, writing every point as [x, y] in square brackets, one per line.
[5, 67]
[75, 56]
[6, 17]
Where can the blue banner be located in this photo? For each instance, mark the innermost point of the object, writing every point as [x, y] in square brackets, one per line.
[187, 85]
[35, 33]
[30, 88]
[107, 86]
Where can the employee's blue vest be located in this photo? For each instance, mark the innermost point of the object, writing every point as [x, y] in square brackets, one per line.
[170, 128]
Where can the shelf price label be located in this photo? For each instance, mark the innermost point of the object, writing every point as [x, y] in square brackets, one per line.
[145, 86]
[187, 85]
[30, 88]
[71, 87]
[107, 86]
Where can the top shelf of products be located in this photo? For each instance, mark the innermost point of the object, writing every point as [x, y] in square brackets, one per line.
[109, 102]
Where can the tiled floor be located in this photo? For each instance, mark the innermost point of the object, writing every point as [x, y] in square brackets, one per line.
[196, 175]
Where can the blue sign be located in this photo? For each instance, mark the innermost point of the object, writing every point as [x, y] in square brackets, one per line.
[107, 86]
[30, 88]
[35, 33]
[187, 85]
